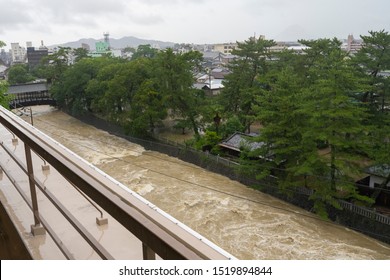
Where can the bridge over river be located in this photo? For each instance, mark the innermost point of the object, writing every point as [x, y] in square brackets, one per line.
[29, 95]
[197, 214]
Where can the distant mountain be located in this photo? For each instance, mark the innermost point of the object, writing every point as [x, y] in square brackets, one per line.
[128, 41]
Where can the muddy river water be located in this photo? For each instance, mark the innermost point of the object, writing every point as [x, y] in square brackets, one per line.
[244, 222]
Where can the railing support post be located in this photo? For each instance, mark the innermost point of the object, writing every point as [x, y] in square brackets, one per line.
[148, 253]
[31, 117]
[36, 228]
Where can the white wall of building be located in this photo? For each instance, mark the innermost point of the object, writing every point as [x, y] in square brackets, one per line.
[376, 180]
[18, 53]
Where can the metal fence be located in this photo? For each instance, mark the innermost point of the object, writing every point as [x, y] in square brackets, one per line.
[365, 212]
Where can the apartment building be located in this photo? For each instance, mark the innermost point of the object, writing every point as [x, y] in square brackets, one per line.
[353, 45]
[225, 48]
[34, 56]
[18, 53]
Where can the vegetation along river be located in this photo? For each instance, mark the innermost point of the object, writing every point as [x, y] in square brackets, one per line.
[243, 221]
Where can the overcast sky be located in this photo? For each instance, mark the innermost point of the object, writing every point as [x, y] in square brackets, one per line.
[189, 21]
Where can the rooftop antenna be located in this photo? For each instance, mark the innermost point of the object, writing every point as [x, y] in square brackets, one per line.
[254, 37]
[107, 38]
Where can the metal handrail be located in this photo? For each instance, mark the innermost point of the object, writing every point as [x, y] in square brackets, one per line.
[102, 252]
[159, 233]
[45, 224]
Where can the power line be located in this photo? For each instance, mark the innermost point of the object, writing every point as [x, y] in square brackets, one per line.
[257, 164]
[154, 156]
[155, 171]
[199, 185]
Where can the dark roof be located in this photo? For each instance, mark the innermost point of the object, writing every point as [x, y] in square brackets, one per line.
[219, 73]
[211, 55]
[238, 140]
[33, 87]
[379, 170]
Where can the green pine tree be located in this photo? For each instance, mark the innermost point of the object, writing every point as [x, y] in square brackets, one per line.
[241, 86]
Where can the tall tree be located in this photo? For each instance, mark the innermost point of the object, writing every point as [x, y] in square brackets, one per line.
[56, 64]
[284, 125]
[144, 51]
[106, 102]
[118, 85]
[374, 62]
[241, 86]
[175, 77]
[299, 110]
[335, 119]
[147, 109]
[80, 53]
[19, 74]
[372, 59]
[70, 89]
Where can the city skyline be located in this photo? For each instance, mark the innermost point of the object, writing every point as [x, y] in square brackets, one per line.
[189, 21]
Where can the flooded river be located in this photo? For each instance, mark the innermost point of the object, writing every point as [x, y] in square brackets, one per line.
[244, 222]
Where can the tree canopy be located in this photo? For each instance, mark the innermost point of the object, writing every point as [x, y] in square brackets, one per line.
[19, 74]
[143, 51]
[175, 78]
[242, 85]
[314, 125]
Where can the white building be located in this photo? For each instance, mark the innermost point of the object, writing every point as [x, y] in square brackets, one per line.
[225, 48]
[378, 175]
[18, 53]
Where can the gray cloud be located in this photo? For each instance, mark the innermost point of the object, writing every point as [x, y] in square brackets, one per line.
[89, 13]
[13, 15]
[83, 7]
[196, 21]
[76, 11]
[172, 2]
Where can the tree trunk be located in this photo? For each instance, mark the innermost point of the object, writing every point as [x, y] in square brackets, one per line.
[151, 124]
[194, 127]
[333, 167]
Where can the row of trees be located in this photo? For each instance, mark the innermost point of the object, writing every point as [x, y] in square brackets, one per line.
[320, 112]
[137, 94]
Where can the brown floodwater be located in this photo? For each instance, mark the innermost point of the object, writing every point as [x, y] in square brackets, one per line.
[245, 222]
